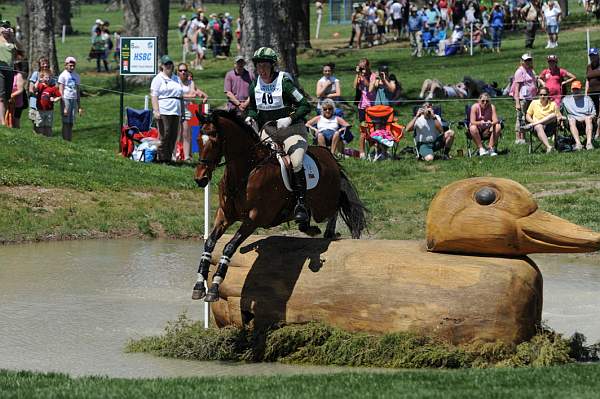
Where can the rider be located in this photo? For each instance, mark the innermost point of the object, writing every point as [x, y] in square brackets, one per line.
[274, 97]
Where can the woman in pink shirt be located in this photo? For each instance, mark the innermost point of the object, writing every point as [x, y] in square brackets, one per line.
[554, 78]
[366, 91]
[483, 124]
[523, 90]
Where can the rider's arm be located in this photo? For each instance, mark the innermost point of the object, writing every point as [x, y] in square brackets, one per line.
[293, 96]
[252, 110]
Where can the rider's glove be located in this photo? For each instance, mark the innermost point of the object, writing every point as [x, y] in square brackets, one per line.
[284, 122]
[249, 121]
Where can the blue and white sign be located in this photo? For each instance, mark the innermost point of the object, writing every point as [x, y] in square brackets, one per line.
[138, 56]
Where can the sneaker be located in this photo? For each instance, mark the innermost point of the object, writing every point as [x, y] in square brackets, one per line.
[578, 147]
[362, 155]
[520, 141]
[549, 150]
[483, 152]
[492, 152]
[589, 146]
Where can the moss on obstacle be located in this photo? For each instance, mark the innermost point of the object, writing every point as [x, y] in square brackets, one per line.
[319, 344]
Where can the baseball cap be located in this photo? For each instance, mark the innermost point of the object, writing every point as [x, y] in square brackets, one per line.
[526, 57]
[239, 58]
[165, 59]
[552, 57]
[575, 85]
[593, 51]
[99, 21]
[70, 59]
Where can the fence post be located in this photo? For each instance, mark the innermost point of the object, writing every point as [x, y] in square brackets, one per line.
[471, 47]
[206, 217]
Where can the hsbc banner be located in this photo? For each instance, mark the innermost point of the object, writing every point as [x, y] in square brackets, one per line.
[138, 56]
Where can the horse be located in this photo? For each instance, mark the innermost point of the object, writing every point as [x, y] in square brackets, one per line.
[252, 191]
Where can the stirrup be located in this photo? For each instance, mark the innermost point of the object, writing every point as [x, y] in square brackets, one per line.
[301, 214]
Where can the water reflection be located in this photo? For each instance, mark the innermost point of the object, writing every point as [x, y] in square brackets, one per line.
[71, 306]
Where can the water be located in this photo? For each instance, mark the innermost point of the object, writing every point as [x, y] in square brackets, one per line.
[72, 306]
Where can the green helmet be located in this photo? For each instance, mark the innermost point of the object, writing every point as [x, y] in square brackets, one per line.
[265, 54]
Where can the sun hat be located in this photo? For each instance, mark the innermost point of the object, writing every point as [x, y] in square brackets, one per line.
[165, 59]
[183, 17]
[70, 59]
[593, 51]
[552, 57]
[526, 57]
[575, 85]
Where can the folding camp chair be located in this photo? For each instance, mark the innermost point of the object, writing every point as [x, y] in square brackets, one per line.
[380, 129]
[137, 128]
[465, 123]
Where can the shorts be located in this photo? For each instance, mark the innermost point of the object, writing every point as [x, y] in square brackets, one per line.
[33, 114]
[71, 108]
[361, 115]
[552, 29]
[328, 134]
[398, 23]
[429, 148]
[44, 118]
[6, 81]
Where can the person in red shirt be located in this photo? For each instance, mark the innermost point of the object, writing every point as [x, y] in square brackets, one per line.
[555, 78]
[47, 93]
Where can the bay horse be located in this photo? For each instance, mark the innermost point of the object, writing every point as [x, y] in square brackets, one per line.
[252, 191]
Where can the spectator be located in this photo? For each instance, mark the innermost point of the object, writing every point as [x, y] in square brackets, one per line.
[396, 11]
[453, 45]
[554, 78]
[328, 86]
[478, 37]
[198, 42]
[43, 63]
[7, 52]
[17, 97]
[531, 14]
[117, 46]
[415, 25]
[108, 45]
[47, 94]
[189, 92]
[552, 15]
[387, 87]
[443, 7]
[592, 84]
[470, 14]
[580, 109]
[98, 51]
[366, 91]
[182, 28]
[483, 124]
[497, 26]
[433, 15]
[328, 128]
[166, 95]
[380, 24]
[69, 84]
[523, 90]
[429, 134]
[543, 116]
[237, 83]
[433, 88]
[97, 25]
[458, 13]
[357, 21]
[227, 34]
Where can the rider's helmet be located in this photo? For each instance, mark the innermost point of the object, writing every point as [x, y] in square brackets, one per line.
[265, 54]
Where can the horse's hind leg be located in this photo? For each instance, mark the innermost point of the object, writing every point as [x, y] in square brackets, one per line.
[221, 225]
[244, 231]
[330, 228]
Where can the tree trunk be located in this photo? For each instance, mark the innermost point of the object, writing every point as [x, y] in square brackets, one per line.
[40, 33]
[301, 17]
[115, 5]
[148, 18]
[188, 5]
[269, 23]
[62, 16]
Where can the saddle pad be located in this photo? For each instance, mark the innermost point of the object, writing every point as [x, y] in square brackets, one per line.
[311, 171]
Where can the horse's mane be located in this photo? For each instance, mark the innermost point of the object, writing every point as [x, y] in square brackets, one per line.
[233, 117]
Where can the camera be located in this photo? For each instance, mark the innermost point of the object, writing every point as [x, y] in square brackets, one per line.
[359, 69]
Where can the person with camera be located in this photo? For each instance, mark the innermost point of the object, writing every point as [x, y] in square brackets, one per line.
[365, 84]
[387, 86]
[8, 49]
[484, 124]
[429, 133]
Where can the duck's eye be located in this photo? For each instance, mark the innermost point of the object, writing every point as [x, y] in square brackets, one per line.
[485, 196]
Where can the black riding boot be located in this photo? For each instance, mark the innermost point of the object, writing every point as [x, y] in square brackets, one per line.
[299, 187]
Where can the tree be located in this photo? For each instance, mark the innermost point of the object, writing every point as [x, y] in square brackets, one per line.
[270, 23]
[62, 16]
[301, 18]
[148, 18]
[39, 35]
[188, 5]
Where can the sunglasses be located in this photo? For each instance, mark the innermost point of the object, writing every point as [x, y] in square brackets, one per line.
[183, 70]
[485, 101]
[543, 94]
[327, 109]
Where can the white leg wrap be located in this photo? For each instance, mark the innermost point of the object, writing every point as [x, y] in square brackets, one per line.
[200, 278]
[206, 256]
[217, 280]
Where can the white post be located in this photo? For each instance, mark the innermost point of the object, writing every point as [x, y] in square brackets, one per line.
[64, 32]
[471, 46]
[146, 102]
[206, 217]
[319, 17]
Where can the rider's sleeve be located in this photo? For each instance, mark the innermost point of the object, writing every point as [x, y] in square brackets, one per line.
[252, 111]
[295, 96]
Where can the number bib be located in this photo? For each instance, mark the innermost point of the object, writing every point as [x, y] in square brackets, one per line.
[269, 96]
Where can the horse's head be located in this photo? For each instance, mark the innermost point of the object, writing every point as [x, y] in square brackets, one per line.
[211, 144]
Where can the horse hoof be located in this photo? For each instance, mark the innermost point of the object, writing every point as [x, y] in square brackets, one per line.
[199, 291]
[310, 231]
[213, 294]
[332, 236]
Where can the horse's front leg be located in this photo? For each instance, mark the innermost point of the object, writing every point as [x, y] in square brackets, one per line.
[220, 226]
[244, 231]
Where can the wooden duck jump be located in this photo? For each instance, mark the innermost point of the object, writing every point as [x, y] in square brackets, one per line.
[482, 287]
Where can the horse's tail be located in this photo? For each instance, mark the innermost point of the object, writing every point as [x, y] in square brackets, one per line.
[351, 208]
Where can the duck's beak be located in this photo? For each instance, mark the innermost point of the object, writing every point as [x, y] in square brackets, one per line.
[544, 232]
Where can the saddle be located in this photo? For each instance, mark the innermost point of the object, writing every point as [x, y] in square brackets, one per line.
[311, 170]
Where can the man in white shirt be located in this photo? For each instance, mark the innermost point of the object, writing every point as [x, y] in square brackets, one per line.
[396, 10]
[69, 84]
[429, 133]
[580, 110]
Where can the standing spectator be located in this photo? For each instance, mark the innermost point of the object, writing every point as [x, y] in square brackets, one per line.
[432, 14]
[328, 86]
[43, 63]
[47, 94]
[182, 28]
[69, 84]
[387, 86]
[108, 45]
[328, 128]
[523, 90]
[470, 14]
[496, 26]
[592, 85]
[7, 52]
[552, 15]
[97, 25]
[429, 133]
[189, 92]
[554, 78]
[483, 124]
[216, 34]
[357, 21]
[396, 10]
[98, 51]
[17, 97]
[580, 109]
[543, 116]
[531, 14]
[458, 13]
[237, 83]
[198, 43]
[117, 46]
[366, 91]
[166, 95]
[227, 34]
[443, 7]
[380, 24]
[415, 24]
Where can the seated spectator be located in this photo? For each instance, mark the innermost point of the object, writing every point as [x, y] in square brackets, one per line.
[580, 110]
[328, 128]
[479, 39]
[484, 124]
[433, 88]
[328, 86]
[429, 134]
[543, 115]
[454, 45]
